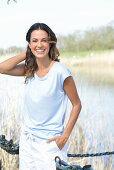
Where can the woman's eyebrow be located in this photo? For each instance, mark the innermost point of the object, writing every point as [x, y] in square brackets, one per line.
[41, 38]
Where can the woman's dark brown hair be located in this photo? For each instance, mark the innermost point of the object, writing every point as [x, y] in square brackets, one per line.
[30, 61]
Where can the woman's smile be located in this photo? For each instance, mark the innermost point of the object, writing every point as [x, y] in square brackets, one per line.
[40, 51]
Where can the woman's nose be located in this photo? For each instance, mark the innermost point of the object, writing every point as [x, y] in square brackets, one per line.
[39, 44]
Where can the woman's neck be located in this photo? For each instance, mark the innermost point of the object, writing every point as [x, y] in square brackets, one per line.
[43, 67]
[43, 63]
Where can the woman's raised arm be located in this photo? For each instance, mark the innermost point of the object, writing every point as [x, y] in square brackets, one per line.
[13, 66]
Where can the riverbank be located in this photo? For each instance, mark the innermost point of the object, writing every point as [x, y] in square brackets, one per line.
[98, 67]
[94, 66]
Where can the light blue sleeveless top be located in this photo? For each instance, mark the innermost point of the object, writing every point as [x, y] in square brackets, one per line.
[45, 103]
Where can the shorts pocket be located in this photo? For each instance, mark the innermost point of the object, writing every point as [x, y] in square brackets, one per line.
[56, 146]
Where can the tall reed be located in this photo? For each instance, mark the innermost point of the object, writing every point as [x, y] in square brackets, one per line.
[83, 138]
[11, 99]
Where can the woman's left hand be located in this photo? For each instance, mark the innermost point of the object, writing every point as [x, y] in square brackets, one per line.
[60, 141]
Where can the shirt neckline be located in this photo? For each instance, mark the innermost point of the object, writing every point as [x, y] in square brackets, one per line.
[44, 77]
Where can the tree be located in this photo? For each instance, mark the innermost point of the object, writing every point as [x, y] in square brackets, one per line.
[10, 0]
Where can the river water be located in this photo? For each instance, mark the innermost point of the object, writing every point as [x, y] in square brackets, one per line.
[97, 104]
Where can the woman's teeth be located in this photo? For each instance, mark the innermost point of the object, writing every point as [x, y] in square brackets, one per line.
[40, 50]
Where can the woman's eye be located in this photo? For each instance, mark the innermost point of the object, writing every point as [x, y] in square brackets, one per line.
[45, 40]
[34, 41]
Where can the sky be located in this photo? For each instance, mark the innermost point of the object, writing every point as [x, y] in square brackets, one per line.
[62, 16]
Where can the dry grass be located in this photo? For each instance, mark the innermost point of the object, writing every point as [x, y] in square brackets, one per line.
[11, 100]
[79, 144]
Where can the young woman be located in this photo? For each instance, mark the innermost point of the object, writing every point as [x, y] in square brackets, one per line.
[48, 86]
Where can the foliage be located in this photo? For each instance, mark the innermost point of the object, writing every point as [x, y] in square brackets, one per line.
[12, 49]
[10, 0]
[94, 39]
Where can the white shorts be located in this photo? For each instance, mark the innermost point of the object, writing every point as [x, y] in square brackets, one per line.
[36, 154]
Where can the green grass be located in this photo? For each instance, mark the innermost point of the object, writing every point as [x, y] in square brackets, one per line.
[71, 54]
[83, 53]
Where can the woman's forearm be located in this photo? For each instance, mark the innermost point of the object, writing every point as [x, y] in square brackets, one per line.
[12, 62]
[72, 120]
[61, 140]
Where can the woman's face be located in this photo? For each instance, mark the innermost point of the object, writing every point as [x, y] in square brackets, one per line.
[39, 43]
